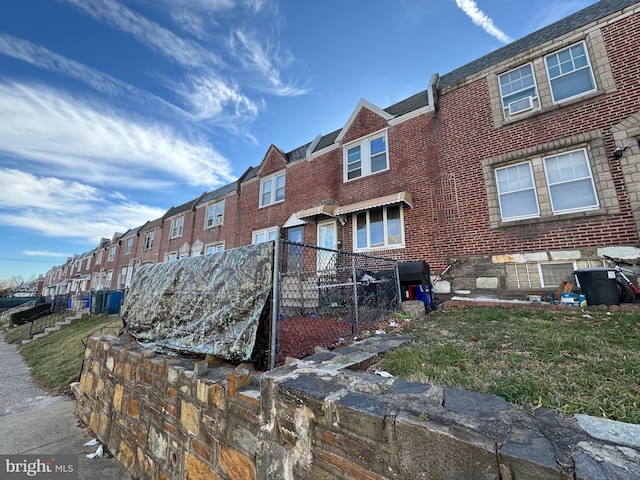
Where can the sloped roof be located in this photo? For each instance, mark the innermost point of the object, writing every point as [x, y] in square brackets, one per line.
[561, 27]
[217, 193]
[182, 208]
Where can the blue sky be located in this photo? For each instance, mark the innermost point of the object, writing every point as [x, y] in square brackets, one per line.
[112, 111]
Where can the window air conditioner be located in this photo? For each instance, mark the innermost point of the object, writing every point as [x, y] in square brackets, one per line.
[521, 105]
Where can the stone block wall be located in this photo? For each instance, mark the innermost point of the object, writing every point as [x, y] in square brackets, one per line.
[325, 418]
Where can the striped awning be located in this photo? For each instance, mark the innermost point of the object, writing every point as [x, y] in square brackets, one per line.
[400, 197]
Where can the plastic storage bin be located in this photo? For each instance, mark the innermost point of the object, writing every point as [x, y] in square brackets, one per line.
[599, 285]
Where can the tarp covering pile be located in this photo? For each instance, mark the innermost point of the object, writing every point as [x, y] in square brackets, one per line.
[210, 304]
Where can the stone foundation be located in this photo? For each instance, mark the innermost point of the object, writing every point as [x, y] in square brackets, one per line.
[324, 418]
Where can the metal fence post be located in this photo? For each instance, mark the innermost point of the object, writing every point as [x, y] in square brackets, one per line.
[275, 304]
[354, 276]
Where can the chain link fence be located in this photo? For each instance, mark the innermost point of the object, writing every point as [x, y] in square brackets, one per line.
[329, 297]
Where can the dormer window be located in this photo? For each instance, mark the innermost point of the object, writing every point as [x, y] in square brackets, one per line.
[215, 214]
[518, 90]
[177, 225]
[272, 189]
[366, 157]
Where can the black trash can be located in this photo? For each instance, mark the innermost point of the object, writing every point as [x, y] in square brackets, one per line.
[599, 285]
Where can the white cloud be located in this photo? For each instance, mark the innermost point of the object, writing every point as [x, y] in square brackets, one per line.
[47, 60]
[482, 20]
[60, 208]
[266, 58]
[154, 36]
[45, 253]
[93, 144]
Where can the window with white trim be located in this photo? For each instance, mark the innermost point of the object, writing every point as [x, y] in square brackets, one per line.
[379, 228]
[88, 266]
[129, 246]
[264, 235]
[215, 214]
[517, 192]
[214, 248]
[148, 240]
[366, 158]
[107, 279]
[518, 90]
[112, 254]
[177, 224]
[99, 258]
[272, 189]
[170, 257]
[570, 182]
[569, 72]
[122, 277]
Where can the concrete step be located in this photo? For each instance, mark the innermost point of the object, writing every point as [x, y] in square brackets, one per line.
[62, 323]
[52, 329]
[26, 340]
[40, 335]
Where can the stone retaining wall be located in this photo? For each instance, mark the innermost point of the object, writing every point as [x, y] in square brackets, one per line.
[324, 418]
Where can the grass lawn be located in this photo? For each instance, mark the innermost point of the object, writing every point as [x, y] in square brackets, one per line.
[573, 360]
[56, 359]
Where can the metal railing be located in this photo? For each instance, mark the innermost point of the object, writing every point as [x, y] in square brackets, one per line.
[18, 308]
[325, 297]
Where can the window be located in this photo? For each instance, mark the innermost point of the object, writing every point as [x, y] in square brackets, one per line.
[148, 240]
[379, 228]
[176, 227]
[518, 90]
[366, 158]
[569, 72]
[215, 214]
[170, 257]
[516, 192]
[570, 182]
[272, 189]
[107, 279]
[553, 274]
[78, 266]
[88, 266]
[112, 254]
[215, 248]
[129, 246]
[266, 235]
[122, 278]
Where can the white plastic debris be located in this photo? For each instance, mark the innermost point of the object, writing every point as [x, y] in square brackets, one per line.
[586, 315]
[91, 443]
[393, 324]
[98, 453]
[380, 332]
[382, 373]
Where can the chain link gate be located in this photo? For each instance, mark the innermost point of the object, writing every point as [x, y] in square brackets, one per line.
[327, 298]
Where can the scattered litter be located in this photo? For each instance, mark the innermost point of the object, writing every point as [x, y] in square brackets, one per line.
[91, 443]
[608, 313]
[393, 324]
[382, 373]
[99, 453]
[586, 315]
[341, 341]
[380, 332]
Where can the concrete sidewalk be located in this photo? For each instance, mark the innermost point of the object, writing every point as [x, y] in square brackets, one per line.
[35, 422]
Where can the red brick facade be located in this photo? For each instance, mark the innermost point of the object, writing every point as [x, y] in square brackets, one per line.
[445, 153]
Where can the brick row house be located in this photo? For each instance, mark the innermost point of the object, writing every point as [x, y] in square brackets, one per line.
[523, 164]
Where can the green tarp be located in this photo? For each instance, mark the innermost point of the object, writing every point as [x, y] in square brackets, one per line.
[209, 304]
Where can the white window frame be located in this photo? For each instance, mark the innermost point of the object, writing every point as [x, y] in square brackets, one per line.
[108, 278]
[264, 235]
[129, 246]
[589, 177]
[88, 266]
[214, 215]
[214, 248]
[112, 254]
[587, 66]
[386, 245]
[270, 190]
[534, 98]
[99, 257]
[148, 240]
[171, 256]
[122, 277]
[502, 195]
[364, 157]
[545, 284]
[177, 226]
